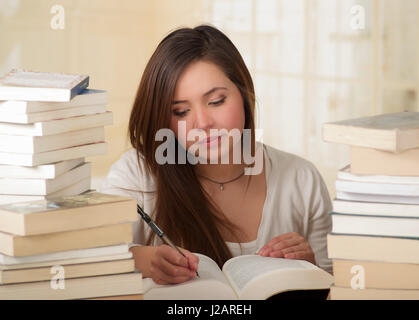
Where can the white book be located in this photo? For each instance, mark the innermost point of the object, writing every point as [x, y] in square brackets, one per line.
[41, 86]
[77, 288]
[28, 144]
[389, 226]
[46, 171]
[51, 127]
[45, 186]
[6, 260]
[72, 190]
[345, 174]
[85, 98]
[353, 196]
[51, 115]
[375, 208]
[248, 277]
[36, 159]
[391, 189]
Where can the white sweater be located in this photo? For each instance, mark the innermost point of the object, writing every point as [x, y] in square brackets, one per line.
[297, 200]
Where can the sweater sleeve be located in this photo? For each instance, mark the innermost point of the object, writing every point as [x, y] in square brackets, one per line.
[317, 206]
[127, 177]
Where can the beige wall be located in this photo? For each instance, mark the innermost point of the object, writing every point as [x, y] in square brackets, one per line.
[110, 40]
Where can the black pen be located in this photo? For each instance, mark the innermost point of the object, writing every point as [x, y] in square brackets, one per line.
[158, 231]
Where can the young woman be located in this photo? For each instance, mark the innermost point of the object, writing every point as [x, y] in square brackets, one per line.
[196, 82]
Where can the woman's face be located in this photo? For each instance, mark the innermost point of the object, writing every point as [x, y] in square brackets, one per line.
[205, 99]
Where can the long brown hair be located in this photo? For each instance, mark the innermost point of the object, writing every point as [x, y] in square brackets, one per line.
[183, 208]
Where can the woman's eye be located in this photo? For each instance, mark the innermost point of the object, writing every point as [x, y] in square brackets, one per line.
[179, 114]
[216, 103]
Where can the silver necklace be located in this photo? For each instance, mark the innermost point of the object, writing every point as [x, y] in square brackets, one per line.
[221, 183]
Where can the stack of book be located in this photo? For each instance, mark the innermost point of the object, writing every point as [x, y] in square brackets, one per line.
[374, 241]
[49, 123]
[73, 247]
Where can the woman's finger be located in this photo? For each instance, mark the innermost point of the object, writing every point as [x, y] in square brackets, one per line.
[299, 247]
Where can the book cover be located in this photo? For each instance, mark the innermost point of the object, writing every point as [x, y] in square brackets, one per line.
[75, 189]
[377, 162]
[88, 210]
[36, 159]
[77, 288]
[32, 145]
[46, 171]
[51, 115]
[18, 246]
[52, 127]
[29, 85]
[372, 248]
[394, 132]
[45, 186]
[86, 97]
[391, 226]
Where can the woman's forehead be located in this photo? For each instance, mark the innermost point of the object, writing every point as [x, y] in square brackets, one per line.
[198, 78]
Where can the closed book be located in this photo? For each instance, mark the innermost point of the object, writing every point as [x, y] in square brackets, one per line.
[347, 174]
[87, 97]
[365, 197]
[36, 159]
[28, 85]
[342, 293]
[16, 186]
[88, 210]
[51, 115]
[372, 248]
[51, 127]
[75, 189]
[48, 259]
[391, 189]
[67, 271]
[391, 226]
[376, 274]
[375, 208]
[377, 162]
[46, 171]
[395, 132]
[51, 263]
[15, 245]
[77, 288]
[28, 144]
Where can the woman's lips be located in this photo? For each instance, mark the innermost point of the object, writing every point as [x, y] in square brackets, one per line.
[210, 140]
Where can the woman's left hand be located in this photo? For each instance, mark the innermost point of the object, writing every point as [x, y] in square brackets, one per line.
[290, 246]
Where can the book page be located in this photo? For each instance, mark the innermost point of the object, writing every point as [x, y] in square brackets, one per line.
[240, 271]
[211, 284]
[24, 78]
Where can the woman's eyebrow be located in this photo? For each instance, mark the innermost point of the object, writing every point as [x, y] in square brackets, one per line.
[205, 94]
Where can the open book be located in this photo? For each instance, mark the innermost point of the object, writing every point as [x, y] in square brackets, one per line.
[250, 277]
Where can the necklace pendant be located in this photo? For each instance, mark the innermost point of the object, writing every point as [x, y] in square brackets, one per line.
[221, 187]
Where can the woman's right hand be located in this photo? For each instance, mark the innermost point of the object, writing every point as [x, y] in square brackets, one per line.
[167, 266]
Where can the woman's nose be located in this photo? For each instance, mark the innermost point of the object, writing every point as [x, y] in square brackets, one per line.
[204, 119]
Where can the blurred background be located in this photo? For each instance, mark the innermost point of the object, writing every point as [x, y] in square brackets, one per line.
[312, 61]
